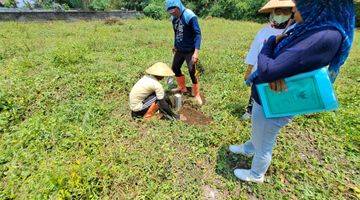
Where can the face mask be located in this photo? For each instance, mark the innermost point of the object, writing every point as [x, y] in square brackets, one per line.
[279, 19]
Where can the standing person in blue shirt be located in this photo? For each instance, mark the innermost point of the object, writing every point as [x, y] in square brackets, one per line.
[186, 45]
[322, 37]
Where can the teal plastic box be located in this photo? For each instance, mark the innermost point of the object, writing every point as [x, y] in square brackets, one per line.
[307, 93]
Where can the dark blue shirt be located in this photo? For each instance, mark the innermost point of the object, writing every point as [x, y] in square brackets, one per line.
[187, 35]
[312, 51]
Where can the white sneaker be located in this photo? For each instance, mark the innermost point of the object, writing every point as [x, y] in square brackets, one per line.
[244, 175]
[246, 116]
[239, 149]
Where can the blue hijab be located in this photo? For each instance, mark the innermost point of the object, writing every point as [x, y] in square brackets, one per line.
[186, 13]
[322, 14]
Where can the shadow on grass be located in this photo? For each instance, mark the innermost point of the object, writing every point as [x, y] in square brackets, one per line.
[236, 109]
[227, 162]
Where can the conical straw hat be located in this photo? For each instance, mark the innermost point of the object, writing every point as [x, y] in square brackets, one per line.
[272, 4]
[160, 69]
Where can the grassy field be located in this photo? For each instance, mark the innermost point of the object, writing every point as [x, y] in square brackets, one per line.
[66, 132]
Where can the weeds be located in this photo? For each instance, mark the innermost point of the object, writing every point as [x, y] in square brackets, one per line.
[66, 132]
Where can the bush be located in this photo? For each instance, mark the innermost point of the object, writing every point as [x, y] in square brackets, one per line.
[10, 3]
[201, 7]
[71, 3]
[230, 9]
[136, 4]
[75, 3]
[236, 9]
[99, 5]
[154, 11]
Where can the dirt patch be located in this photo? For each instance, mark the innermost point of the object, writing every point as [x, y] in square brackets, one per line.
[194, 116]
[113, 21]
[211, 194]
[190, 109]
[112, 96]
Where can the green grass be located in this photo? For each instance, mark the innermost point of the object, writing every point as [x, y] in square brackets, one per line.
[66, 131]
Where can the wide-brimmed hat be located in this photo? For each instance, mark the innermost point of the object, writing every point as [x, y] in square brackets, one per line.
[273, 4]
[160, 69]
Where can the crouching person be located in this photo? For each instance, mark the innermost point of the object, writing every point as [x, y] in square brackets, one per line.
[148, 95]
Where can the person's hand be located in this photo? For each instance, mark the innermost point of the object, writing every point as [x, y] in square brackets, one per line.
[278, 86]
[174, 50]
[280, 37]
[182, 117]
[195, 57]
[247, 72]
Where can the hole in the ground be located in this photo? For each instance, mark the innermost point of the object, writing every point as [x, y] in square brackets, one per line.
[194, 116]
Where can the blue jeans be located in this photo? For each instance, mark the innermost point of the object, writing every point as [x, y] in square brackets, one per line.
[263, 139]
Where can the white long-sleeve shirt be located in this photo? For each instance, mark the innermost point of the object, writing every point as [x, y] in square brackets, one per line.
[147, 85]
[258, 43]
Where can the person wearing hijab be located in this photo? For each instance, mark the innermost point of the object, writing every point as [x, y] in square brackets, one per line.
[280, 19]
[148, 96]
[322, 37]
[187, 44]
